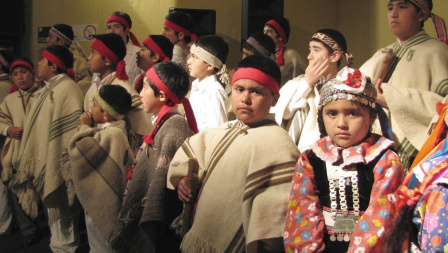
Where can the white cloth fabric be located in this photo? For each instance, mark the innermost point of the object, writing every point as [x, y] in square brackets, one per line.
[97, 243]
[5, 209]
[64, 242]
[180, 55]
[295, 65]
[131, 61]
[296, 112]
[209, 102]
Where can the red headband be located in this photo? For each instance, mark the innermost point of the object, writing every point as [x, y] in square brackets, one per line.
[21, 63]
[103, 50]
[178, 29]
[278, 28]
[55, 60]
[126, 25]
[257, 76]
[166, 108]
[149, 42]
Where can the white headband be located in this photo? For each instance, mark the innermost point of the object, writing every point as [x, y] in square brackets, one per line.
[206, 56]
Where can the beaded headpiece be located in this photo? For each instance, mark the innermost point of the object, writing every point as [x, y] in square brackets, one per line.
[349, 84]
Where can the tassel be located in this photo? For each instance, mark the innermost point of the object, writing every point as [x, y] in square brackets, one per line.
[121, 71]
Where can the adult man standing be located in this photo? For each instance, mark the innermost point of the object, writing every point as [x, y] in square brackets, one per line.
[416, 77]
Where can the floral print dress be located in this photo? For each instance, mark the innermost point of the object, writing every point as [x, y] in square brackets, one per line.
[305, 224]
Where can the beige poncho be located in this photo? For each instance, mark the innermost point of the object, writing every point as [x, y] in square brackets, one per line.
[51, 122]
[245, 198]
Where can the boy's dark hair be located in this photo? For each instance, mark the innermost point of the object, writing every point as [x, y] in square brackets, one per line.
[215, 45]
[25, 59]
[284, 23]
[182, 19]
[336, 36]
[114, 42]
[262, 63]
[174, 76]
[117, 97]
[8, 55]
[264, 40]
[66, 30]
[165, 44]
[63, 54]
[422, 24]
[123, 15]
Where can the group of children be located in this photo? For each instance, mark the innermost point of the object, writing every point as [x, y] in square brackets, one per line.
[130, 157]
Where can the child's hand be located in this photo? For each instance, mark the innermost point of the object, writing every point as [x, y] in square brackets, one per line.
[316, 68]
[15, 132]
[86, 119]
[183, 192]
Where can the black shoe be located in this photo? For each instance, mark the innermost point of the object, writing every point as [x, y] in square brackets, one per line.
[31, 239]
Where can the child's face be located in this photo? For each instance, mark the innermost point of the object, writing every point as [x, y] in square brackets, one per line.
[346, 122]
[247, 53]
[318, 52]
[144, 59]
[96, 62]
[44, 71]
[198, 68]
[151, 102]
[117, 28]
[53, 40]
[22, 77]
[97, 113]
[170, 34]
[270, 31]
[251, 101]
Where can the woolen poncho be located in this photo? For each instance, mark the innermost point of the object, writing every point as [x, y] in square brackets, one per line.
[244, 200]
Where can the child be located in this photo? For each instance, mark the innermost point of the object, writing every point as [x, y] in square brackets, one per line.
[62, 34]
[155, 49]
[120, 23]
[106, 58]
[12, 116]
[249, 164]
[49, 125]
[6, 57]
[99, 160]
[208, 97]
[149, 207]
[327, 209]
[296, 110]
[259, 43]
[178, 28]
[290, 61]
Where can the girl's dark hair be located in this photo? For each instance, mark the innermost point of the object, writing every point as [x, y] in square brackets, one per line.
[117, 97]
[8, 55]
[262, 63]
[63, 54]
[336, 36]
[66, 30]
[183, 20]
[215, 45]
[164, 44]
[25, 59]
[400, 229]
[174, 76]
[264, 40]
[114, 42]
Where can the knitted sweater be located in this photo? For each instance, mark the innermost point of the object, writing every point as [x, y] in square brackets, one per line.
[149, 207]
[243, 203]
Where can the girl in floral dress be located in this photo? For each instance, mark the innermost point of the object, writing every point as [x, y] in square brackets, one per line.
[341, 197]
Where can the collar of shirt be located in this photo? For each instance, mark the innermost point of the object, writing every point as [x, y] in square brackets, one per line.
[105, 80]
[204, 84]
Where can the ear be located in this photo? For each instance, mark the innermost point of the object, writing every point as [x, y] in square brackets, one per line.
[155, 58]
[60, 42]
[108, 63]
[181, 36]
[421, 17]
[210, 67]
[53, 68]
[275, 98]
[162, 97]
[107, 117]
[336, 56]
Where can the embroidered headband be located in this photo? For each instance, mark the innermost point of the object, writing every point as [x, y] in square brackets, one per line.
[106, 107]
[149, 42]
[55, 60]
[3, 61]
[179, 29]
[103, 50]
[125, 23]
[281, 46]
[60, 35]
[254, 43]
[349, 84]
[21, 63]
[206, 56]
[167, 107]
[439, 23]
[327, 40]
[257, 76]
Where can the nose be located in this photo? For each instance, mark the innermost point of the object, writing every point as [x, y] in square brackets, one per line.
[342, 122]
[245, 98]
[394, 12]
[309, 57]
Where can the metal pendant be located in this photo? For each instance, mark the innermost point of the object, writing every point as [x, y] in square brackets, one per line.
[344, 224]
[347, 238]
[340, 238]
[332, 238]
